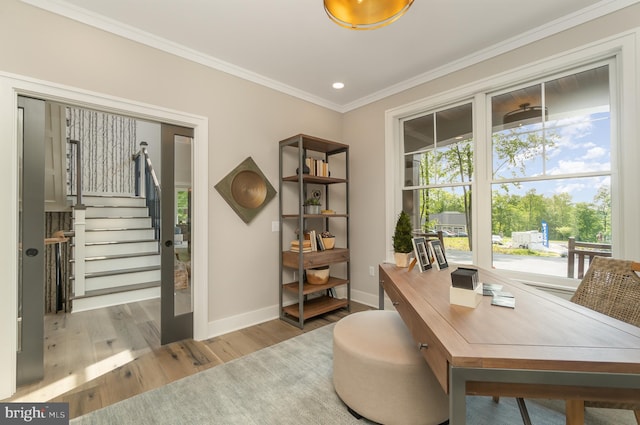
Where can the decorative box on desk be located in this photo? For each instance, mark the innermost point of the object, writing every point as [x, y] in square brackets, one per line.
[465, 289]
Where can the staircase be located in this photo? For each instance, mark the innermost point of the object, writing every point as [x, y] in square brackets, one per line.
[121, 256]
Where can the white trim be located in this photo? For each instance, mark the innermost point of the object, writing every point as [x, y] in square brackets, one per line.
[11, 86]
[626, 48]
[241, 321]
[579, 17]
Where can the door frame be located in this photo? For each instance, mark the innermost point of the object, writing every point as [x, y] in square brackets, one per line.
[11, 86]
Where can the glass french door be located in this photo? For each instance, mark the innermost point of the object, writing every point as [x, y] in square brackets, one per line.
[31, 234]
[175, 234]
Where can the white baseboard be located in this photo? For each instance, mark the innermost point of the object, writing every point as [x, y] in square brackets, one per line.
[244, 320]
[240, 321]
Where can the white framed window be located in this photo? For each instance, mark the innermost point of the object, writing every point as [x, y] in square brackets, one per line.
[438, 153]
[551, 168]
[553, 157]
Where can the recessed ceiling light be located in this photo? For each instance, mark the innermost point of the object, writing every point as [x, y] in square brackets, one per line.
[338, 85]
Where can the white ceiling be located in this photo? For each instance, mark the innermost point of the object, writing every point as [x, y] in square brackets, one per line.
[292, 46]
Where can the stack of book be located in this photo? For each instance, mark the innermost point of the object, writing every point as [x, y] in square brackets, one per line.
[313, 243]
[317, 167]
[306, 246]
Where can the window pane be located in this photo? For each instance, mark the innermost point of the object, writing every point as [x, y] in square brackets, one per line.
[533, 221]
[440, 153]
[417, 168]
[555, 150]
[579, 120]
[438, 162]
[418, 147]
[419, 134]
[517, 108]
[454, 153]
[446, 210]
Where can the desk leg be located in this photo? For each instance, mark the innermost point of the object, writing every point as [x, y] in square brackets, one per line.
[575, 412]
[380, 295]
[457, 397]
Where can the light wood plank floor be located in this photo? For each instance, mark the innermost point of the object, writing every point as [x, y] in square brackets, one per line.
[103, 357]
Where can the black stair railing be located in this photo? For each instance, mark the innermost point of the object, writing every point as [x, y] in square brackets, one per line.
[75, 169]
[147, 185]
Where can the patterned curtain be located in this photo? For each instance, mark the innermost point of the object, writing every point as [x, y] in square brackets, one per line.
[108, 142]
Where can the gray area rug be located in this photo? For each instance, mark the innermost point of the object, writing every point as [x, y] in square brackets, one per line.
[290, 383]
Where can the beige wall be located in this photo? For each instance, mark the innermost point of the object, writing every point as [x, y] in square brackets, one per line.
[245, 119]
[364, 130]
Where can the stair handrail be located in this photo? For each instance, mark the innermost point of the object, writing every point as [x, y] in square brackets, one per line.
[77, 170]
[147, 183]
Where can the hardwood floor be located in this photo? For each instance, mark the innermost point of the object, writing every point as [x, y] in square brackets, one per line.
[113, 354]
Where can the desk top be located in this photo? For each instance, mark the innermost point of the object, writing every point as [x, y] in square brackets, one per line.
[543, 332]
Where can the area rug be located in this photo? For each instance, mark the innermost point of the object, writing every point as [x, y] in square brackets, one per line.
[290, 383]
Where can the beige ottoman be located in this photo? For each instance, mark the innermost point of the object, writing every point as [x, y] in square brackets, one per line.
[379, 373]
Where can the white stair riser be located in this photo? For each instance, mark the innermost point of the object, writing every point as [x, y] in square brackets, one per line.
[120, 263]
[124, 279]
[92, 303]
[119, 235]
[93, 212]
[118, 223]
[113, 201]
[120, 248]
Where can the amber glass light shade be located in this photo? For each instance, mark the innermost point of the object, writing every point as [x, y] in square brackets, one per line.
[365, 14]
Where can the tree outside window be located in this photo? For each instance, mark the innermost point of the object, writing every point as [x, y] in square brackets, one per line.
[550, 171]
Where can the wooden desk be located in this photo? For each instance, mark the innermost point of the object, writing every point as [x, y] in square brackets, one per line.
[546, 347]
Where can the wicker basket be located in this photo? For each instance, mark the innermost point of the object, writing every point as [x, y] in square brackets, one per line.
[329, 243]
[317, 276]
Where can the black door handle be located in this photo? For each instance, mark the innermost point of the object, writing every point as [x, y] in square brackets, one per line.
[31, 252]
[168, 243]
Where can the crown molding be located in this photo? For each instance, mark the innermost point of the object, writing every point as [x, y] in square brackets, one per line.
[87, 17]
[84, 16]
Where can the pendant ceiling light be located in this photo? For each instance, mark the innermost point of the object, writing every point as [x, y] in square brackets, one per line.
[525, 112]
[365, 14]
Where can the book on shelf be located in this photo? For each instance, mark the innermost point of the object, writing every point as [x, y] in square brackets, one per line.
[321, 246]
[317, 167]
[298, 250]
[306, 246]
[313, 240]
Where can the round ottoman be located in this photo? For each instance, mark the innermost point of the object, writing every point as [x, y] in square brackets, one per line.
[379, 373]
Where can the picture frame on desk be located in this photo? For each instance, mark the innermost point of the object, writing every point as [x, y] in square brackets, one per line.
[437, 250]
[421, 252]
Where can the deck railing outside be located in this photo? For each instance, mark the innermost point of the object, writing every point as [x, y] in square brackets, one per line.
[581, 251]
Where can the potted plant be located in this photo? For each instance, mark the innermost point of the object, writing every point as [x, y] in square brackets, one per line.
[312, 206]
[402, 237]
